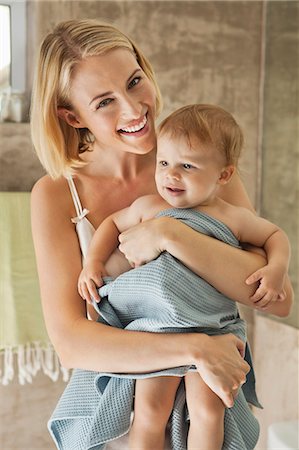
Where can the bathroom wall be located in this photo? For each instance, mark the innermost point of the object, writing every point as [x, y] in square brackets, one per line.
[276, 369]
[279, 198]
[276, 341]
[217, 52]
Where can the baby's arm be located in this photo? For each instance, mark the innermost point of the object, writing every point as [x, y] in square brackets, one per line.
[104, 242]
[262, 233]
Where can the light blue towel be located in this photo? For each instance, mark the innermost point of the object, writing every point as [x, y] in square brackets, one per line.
[161, 296]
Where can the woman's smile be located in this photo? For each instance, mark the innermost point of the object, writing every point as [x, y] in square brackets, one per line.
[135, 127]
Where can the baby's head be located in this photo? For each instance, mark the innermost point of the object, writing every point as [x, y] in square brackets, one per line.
[198, 150]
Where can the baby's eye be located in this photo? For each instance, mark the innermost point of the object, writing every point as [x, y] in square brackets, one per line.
[135, 81]
[187, 166]
[163, 163]
[104, 103]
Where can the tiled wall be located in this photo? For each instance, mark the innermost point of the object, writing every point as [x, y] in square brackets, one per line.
[202, 51]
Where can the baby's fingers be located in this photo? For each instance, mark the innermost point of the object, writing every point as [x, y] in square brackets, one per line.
[80, 290]
[84, 292]
[259, 294]
[254, 277]
[92, 290]
[264, 302]
[282, 296]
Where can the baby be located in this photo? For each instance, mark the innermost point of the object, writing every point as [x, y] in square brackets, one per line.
[198, 148]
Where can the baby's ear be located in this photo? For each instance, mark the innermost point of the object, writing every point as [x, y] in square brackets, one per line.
[226, 174]
[69, 117]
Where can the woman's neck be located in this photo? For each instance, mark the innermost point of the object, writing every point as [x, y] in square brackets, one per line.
[123, 166]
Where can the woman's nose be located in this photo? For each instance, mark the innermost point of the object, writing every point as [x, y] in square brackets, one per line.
[131, 108]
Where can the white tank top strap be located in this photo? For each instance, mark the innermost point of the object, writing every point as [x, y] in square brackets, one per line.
[79, 210]
[84, 228]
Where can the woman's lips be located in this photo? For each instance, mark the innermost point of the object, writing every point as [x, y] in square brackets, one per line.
[136, 130]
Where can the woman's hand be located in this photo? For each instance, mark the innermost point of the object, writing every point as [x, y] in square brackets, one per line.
[144, 242]
[221, 365]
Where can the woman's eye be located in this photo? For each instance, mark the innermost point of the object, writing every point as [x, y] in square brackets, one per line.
[135, 81]
[187, 166]
[104, 103]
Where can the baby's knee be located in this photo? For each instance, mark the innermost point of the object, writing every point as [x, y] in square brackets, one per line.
[207, 413]
[153, 412]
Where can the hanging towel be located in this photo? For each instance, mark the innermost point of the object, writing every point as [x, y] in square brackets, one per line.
[24, 342]
[161, 296]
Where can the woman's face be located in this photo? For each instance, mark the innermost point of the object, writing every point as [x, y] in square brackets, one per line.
[115, 100]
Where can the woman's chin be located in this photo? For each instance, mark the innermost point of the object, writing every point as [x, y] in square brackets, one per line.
[143, 148]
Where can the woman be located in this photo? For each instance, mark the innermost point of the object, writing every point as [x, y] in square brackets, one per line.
[94, 106]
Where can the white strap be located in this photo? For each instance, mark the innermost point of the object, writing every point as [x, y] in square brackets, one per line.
[80, 216]
[79, 210]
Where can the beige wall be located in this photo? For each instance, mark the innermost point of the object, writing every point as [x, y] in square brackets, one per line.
[203, 51]
[280, 145]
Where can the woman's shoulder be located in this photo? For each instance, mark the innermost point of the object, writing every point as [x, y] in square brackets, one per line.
[46, 185]
[50, 189]
[53, 196]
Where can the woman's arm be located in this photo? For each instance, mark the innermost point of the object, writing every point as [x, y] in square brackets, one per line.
[85, 344]
[223, 266]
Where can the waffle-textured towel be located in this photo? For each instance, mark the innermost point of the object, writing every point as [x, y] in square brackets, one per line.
[161, 296]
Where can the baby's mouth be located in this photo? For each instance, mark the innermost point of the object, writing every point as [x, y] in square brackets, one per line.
[173, 189]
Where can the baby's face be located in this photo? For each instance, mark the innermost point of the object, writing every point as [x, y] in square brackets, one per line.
[187, 177]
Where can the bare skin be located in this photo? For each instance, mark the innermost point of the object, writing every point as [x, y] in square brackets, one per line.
[120, 169]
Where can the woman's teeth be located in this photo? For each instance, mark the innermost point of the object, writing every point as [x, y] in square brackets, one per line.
[135, 127]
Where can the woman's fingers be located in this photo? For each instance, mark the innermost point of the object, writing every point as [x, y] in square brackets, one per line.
[222, 367]
[241, 347]
[142, 243]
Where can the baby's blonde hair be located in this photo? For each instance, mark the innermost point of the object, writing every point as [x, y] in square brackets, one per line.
[58, 145]
[207, 124]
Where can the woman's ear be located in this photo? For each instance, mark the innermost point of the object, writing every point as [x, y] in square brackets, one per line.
[69, 117]
[226, 174]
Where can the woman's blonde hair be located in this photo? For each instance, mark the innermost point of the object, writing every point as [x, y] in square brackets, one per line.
[207, 124]
[58, 145]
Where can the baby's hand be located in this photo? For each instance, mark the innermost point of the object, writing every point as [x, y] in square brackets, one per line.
[90, 279]
[271, 279]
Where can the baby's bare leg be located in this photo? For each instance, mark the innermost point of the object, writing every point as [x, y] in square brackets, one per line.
[154, 398]
[206, 412]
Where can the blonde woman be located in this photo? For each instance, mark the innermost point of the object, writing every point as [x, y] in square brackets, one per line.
[94, 105]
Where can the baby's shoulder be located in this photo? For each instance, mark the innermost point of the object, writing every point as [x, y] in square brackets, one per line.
[150, 205]
[149, 200]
